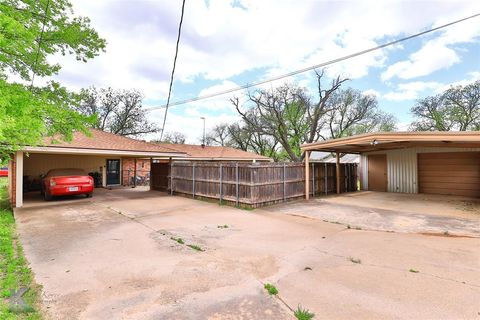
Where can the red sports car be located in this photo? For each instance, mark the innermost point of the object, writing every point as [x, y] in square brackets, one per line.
[4, 172]
[62, 182]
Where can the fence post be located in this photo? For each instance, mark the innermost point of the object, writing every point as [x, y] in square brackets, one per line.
[221, 177]
[193, 180]
[313, 179]
[236, 185]
[326, 179]
[171, 178]
[284, 184]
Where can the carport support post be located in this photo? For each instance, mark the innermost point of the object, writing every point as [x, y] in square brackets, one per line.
[18, 179]
[307, 175]
[338, 171]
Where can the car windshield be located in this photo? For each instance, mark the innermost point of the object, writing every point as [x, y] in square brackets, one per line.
[65, 172]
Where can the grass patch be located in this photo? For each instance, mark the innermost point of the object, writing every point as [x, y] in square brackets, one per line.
[414, 271]
[243, 207]
[355, 260]
[178, 240]
[271, 289]
[303, 314]
[225, 226]
[195, 247]
[14, 271]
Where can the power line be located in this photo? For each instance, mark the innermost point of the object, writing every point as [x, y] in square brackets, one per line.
[173, 69]
[320, 65]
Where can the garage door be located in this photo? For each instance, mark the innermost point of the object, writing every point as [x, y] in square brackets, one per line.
[453, 173]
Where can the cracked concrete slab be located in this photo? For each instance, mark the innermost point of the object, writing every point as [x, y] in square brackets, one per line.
[113, 256]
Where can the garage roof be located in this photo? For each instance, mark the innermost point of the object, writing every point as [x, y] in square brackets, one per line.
[396, 140]
[105, 142]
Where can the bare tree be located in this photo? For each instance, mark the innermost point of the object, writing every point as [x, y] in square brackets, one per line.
[351, 112]
[219, 135]
[117, 111]
[458, 108]
[172, 137]
[277, 122]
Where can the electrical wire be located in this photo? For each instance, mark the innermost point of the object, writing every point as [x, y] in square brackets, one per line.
[320, 65]
[173, 69]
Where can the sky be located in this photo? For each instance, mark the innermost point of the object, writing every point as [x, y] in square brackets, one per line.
[225, 44]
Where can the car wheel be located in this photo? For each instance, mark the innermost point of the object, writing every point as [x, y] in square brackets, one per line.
[47, 196]
[89, 195]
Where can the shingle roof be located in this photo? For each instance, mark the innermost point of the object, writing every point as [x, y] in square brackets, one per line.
[108, 141]
[217, 152]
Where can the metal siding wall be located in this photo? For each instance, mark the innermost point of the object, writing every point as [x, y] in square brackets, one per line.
[402, 171]
[364, 171]
[402, 167]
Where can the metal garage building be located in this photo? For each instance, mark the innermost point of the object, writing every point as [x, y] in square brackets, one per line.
[413, 162]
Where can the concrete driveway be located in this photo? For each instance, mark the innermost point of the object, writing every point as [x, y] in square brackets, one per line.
[114, 257]
[398, 212]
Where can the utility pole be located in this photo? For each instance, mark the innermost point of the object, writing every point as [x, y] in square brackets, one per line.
[203, 143]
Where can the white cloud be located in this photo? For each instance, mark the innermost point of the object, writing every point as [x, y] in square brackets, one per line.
[372, 92]
[220, 41]
[268, 38]
[438, 53]
[411, 90]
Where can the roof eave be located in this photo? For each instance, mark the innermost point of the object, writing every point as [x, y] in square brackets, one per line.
[91, 151]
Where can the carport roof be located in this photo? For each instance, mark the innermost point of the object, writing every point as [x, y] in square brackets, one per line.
[105, 142]
[396, 140]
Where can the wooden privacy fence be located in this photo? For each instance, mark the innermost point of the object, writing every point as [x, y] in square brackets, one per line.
[250, 184]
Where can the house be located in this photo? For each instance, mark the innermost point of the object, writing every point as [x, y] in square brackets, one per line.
[328, 157]
[411, 162]
[115, 159]
[190, 152]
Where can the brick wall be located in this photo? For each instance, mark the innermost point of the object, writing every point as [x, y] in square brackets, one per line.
[128, 170]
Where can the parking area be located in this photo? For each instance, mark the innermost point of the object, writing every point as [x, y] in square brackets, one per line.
[397, 212]
[119, 255]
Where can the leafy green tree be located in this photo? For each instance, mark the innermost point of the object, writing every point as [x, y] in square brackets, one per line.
[30, 32]
[456, 109]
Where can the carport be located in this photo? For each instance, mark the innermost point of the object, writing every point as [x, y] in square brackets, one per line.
[446, 163]
[101, 153]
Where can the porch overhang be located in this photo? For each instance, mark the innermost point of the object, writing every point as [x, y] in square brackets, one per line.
[104, 152]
